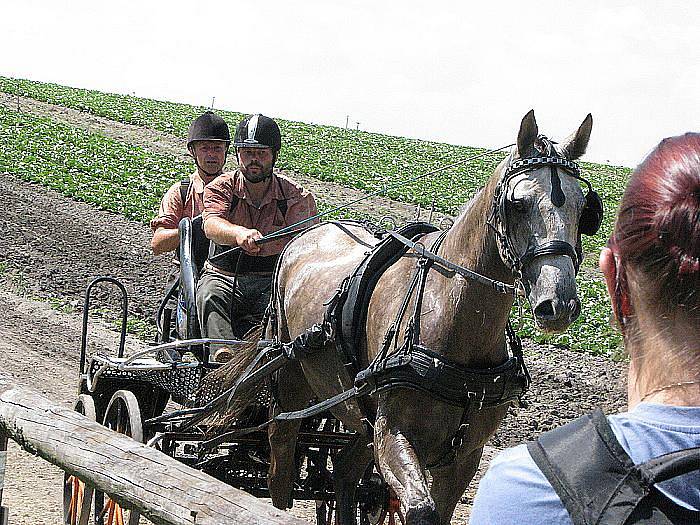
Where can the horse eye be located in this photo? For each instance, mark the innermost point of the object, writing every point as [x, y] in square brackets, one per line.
[519, 205]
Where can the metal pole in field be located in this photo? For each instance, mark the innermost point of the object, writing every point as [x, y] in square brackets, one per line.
[347, 120]
[4, 512]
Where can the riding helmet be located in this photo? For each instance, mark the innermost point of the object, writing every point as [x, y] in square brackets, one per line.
[258, 131]
[208, 126]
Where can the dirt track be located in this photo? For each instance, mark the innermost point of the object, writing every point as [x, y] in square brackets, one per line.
[52, 247]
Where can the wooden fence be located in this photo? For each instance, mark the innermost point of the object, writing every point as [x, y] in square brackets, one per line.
[162, 489]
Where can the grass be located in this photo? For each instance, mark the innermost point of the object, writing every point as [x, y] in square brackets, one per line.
[130, 180]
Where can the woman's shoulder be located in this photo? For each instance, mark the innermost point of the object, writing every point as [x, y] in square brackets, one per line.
[512, 479]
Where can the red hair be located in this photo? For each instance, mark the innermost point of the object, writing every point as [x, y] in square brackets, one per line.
[658, 226]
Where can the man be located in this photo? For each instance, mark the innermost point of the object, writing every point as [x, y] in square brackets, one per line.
[208, 139]
[241, 207]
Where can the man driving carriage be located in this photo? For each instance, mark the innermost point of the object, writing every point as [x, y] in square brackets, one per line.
[241, 207]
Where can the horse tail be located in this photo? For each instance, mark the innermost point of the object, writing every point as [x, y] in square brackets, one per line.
[227, 411]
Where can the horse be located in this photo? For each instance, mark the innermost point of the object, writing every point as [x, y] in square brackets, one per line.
[520, 234]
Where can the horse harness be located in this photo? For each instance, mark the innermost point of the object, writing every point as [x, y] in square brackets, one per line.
[412, 365]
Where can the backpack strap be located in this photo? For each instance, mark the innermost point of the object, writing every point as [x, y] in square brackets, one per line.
[282, 204]
[184, 188]
[282, 207]
[596, 479]
[671, 465]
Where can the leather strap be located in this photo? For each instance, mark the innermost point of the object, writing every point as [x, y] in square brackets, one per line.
[498, 286]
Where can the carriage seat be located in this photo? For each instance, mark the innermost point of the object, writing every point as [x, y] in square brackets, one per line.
[193, 251]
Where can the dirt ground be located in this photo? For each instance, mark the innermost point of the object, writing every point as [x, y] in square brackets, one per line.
[52, 247]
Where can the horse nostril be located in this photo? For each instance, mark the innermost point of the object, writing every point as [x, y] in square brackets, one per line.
[545, 310]
[574, 309]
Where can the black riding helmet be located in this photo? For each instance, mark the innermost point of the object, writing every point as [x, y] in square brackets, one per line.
[208, 126]
[258, 131]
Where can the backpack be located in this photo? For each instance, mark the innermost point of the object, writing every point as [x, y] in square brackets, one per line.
[599, 484]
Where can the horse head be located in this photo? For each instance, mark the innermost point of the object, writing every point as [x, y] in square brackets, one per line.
[540, 212]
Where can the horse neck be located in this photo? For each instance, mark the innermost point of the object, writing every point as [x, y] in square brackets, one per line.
[480, 313]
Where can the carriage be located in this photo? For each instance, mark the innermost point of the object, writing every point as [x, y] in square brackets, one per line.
[413, 394]
[151, 395]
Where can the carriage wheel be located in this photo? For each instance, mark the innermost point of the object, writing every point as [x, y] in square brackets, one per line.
[388, 512]
[123, 416]
[326, 512]
[77, 495]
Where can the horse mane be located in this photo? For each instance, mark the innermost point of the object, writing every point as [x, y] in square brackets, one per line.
[464, 208]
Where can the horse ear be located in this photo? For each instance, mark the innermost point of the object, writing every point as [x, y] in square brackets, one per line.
[576, 144]
[527, 134]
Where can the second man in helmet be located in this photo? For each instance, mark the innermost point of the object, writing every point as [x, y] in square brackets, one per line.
[241, 207]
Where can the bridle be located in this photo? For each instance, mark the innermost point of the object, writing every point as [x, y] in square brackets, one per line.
[498, 220]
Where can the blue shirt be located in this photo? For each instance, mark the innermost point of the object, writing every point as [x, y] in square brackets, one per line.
[514, 490]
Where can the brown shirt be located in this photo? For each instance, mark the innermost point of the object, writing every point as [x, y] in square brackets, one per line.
[267, 217]
[173, 210]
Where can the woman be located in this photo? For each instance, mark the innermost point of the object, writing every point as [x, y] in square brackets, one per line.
[576, 474]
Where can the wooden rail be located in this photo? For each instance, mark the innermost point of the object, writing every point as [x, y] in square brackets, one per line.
[162, 489]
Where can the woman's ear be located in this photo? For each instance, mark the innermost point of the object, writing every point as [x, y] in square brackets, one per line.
[616, 284]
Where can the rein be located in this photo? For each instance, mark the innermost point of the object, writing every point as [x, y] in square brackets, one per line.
[293, 229]
[497, 286]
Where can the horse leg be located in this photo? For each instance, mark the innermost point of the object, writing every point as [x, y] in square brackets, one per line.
[280, 478]
[348, 467]
[293, 393]
[401, 469]
[450, 482]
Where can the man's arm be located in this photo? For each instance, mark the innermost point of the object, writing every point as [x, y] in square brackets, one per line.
[166, 237]
[223, 232]
[165, 240]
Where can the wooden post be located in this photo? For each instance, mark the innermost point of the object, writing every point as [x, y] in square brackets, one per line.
[4, 513]
[136, 476]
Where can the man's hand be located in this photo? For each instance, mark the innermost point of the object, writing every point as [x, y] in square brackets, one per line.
[226, 234]
[246, 239]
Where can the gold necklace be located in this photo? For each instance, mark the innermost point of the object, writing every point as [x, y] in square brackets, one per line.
[667, 387]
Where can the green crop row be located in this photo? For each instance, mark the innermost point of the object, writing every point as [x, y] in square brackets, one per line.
[85, 166]
[90, 167]
[130, 180]
[367, 161]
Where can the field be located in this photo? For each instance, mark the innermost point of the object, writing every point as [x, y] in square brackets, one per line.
[127, 179]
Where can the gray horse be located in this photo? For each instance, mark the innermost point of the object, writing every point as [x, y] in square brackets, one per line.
[522, 229]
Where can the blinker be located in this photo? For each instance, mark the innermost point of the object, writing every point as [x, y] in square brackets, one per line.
[592, 214]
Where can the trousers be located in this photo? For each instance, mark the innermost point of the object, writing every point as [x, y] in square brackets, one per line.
[228, 307]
